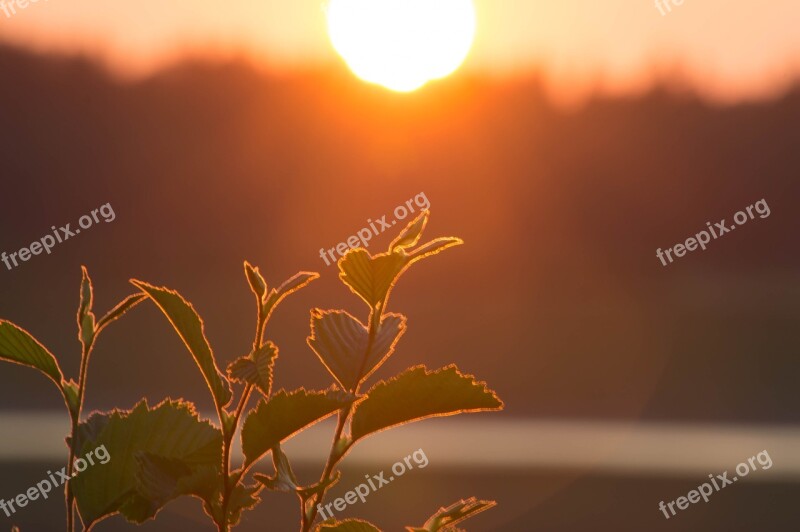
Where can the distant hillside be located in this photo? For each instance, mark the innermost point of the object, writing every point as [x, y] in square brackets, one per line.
[557, 300]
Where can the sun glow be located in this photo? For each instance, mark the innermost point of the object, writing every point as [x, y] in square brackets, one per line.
[402, 44]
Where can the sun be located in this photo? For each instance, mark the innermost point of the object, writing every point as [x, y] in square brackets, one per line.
[402, 44]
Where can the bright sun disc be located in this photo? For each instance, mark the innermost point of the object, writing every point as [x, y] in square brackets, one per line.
[402, 44]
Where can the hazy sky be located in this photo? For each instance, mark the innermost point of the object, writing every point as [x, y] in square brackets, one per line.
[730, 49]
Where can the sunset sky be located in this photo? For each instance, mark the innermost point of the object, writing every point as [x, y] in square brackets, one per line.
[728, 50]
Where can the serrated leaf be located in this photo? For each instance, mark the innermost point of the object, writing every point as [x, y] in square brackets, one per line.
[409, 236]
[256, 369]
[418, 394]
[284, 478]
[341, 342]
[117, 312]
[243, 497]
[90, 429]
[257, 283]
[189, 326]
[70, 388]
[289, 286]
[453, 514]
[170, 433]
[18, 346]
[348, 525]
[285, 414]
[371, 278]
[160, 480]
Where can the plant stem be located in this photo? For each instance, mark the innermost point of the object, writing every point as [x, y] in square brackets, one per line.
[73, 447]
[228, 441]
[335, 456]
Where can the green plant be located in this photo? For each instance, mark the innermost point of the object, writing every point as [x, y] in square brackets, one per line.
[164, 452]
[20, 347]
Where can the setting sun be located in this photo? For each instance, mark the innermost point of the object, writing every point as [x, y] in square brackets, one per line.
[402, 44]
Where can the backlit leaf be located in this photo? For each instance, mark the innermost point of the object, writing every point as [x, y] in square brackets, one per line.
[290, 286]
[18, 346]
[370, 277]
[189, 327]
[243, 497]
[256, 369]
[453, 514]
[285, 414]
[157, 447]
[86, 294]
[86, 325]
[341, 342]
[257, 283]
[433, 247]
[409, 236]
[117, 312]
[418, 394]
[70, 388]
[284, 478]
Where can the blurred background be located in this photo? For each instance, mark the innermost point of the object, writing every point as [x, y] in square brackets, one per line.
[575, 139]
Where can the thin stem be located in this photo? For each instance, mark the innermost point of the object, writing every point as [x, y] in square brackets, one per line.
[226, 451]
[73, 447]
[335, 456]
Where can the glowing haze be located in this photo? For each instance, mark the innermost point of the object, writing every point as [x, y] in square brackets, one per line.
[730, 50]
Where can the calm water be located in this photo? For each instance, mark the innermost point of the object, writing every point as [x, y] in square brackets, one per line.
[563, 476]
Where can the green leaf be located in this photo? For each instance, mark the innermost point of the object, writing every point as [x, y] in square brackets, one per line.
[284, 478]
[228, 420]
[285, 414]
[117, 312]
[418, 394]
[409, 236]
[453, 514]
[290, 286]
[342, 342]
[257, 283]
[86, 326]
[18, 346]
[189, 327]
[371, 278]
[151, 452]
[256, 368]
[348, 525]
[433, 247]
[243, 497]
[86, 294]
[160, 480]
[71, 389]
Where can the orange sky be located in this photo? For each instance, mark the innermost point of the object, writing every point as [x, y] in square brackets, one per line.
[728, 50]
